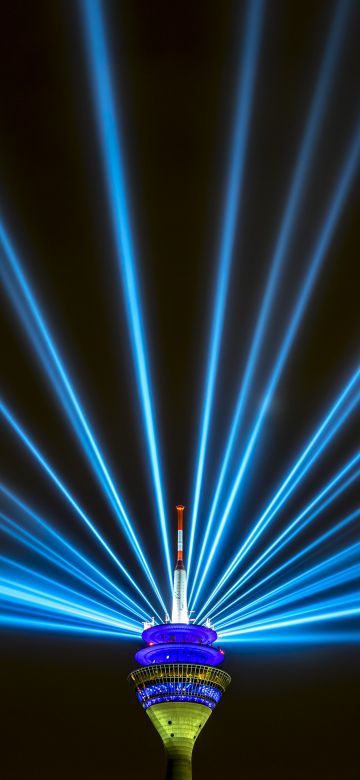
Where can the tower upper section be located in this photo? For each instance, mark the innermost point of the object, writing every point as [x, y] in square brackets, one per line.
[179, 682]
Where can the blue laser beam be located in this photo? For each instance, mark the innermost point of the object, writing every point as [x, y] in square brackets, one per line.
[325, 537]
[289, 533]
[13, 591]
[293, 201]
[314, 610]
[38, 332]
[114, 168]
[247, 73]
[331, 581]
[296, 527]
[309, 506]
[349, 575]
[339, 614]
[324, 433]
[293, 638]
[35, 624]
[60, 541]
[317, 257]
[15, 426]
[332, 562]
[20, 535]
[275, 504]
[55, 592]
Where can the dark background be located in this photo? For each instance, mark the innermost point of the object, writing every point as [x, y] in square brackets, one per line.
[290, 712]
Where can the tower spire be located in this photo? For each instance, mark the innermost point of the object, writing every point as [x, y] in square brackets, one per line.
[180, 546]
[179, 606]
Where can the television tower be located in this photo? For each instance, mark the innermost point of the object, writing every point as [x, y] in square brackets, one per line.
[178, 682]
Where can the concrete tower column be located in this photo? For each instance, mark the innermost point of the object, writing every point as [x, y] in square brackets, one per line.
[179, 724]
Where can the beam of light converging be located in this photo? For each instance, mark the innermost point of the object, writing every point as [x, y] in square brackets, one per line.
[15, 531]
[23, 623]
[233, 196]
[36, 329]
[348, 601]
[282, 495]
[318, 542]
[55, 598]
[338, 614]
[316, 608]
[314, 576]
[292, 637]
[114, 168]
[277, 544]
[318, 255]
[275, 505]
[338, 414]
[349, 575]
[57, 593]
[304, 519]
[281, 251]
[18, 593]
[16, 427]
[273, 550]
[298, 524]
[59, 542]
[269, 602]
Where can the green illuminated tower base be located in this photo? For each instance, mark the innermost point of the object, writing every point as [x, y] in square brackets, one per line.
[179, 724]
[179, 699]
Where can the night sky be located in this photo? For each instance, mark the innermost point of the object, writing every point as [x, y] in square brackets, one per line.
[291, 712]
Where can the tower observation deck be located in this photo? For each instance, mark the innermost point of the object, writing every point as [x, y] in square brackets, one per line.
[178, 682]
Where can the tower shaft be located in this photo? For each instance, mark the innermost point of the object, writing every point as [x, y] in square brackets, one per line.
[178, 724]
